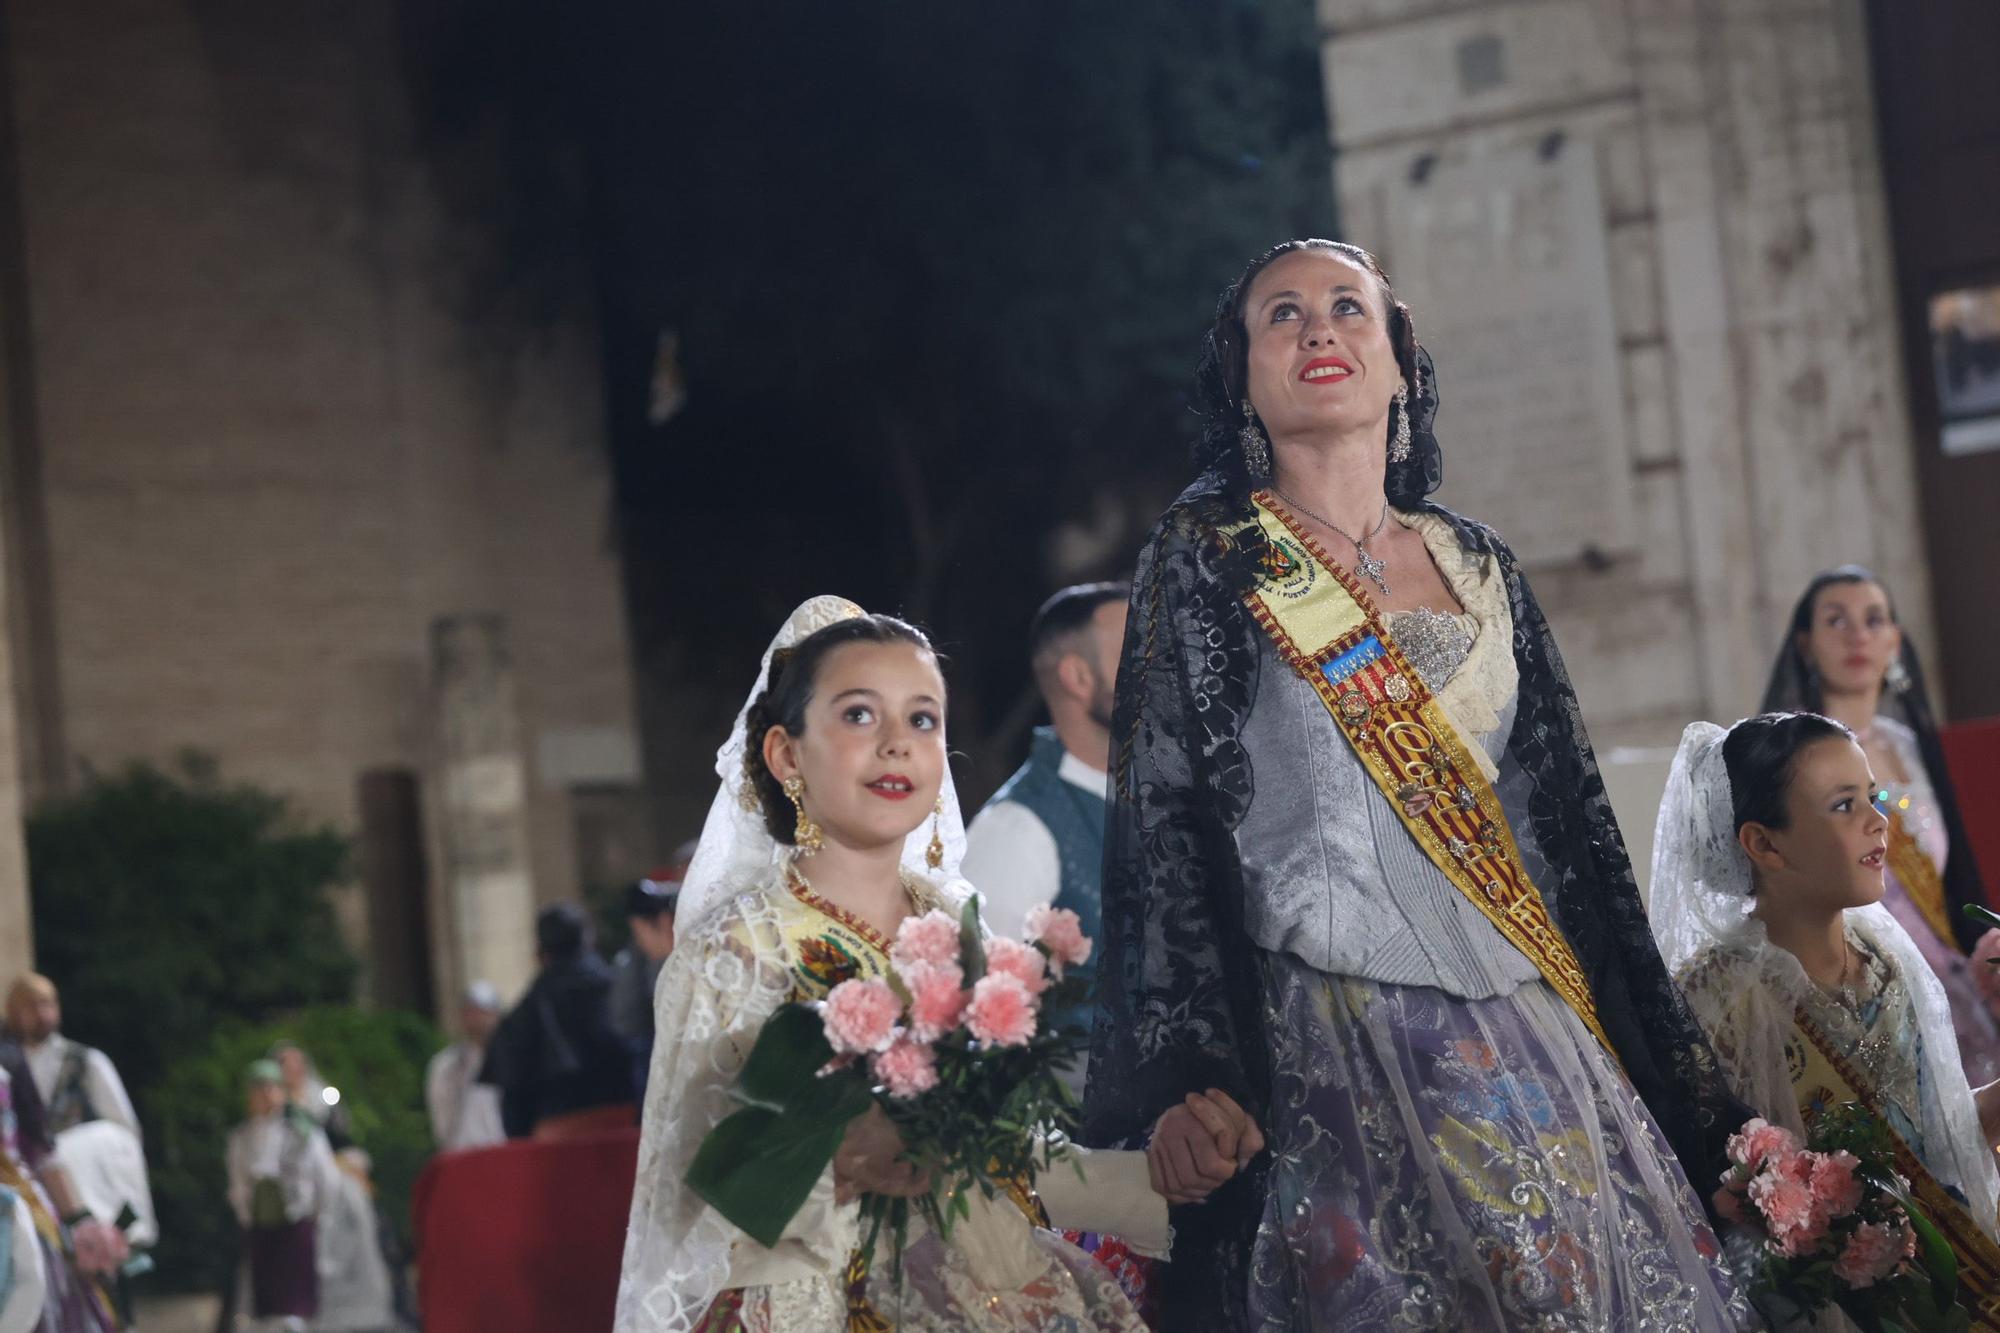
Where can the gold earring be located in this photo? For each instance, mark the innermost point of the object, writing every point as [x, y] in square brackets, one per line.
[806, 837]
[934, 854]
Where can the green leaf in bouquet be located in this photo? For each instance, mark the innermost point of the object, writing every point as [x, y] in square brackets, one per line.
[1983, 915]
[784, 1065]
[758, 1166]
[971, 944]
[1938, 1259]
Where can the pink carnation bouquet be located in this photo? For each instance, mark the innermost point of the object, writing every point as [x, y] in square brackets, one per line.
[961, 1045]
[1830, 1222]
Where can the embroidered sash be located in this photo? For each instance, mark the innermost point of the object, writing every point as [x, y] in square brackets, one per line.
[1325, 626]
[1829, 1078]
[1918, 874]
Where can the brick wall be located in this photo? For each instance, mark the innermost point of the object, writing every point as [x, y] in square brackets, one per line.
[274, 449]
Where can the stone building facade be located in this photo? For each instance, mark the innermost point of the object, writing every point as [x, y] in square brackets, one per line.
[264, 466]
[1667, 222]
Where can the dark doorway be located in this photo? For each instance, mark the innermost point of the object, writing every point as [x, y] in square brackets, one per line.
[398, 886]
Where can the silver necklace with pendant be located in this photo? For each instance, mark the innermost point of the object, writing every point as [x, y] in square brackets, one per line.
[1365, 564]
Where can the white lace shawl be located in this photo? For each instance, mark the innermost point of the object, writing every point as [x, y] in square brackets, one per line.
[1748, 989]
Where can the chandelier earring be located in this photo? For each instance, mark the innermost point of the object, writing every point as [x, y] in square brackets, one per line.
[1897, 677]
[1256, 451]
[806, 835]
[1399, 450]
[934, 854]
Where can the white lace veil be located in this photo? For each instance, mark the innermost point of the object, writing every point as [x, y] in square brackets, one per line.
[1701, 910]
[735, 846]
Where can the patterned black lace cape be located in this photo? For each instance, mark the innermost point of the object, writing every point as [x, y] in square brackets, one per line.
[1181, 1001]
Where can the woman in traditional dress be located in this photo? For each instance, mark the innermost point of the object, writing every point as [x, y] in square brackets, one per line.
[836, 820]
[1845, 656]
[1362, 874]
[1767, 880]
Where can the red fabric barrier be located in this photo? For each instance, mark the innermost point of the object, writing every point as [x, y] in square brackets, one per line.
[1972, 749]
[526, 1237]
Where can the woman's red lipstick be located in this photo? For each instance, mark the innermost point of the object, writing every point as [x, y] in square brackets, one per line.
[1339, 369]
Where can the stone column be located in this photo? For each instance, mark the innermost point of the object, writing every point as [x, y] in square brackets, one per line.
[485, 925]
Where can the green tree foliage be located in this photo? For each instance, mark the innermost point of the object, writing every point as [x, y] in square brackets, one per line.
[938, 271]
[169, 903]
[376, 1058]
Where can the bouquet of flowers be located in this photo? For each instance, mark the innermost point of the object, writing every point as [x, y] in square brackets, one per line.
[959, 1045]
[1832, 1224]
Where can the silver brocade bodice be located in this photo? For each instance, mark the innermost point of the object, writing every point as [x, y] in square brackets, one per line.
[1331, 875]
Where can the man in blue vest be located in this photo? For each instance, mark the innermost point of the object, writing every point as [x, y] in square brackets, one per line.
[1040, 840]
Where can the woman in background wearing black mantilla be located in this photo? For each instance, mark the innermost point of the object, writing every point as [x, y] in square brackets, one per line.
[1362, 875]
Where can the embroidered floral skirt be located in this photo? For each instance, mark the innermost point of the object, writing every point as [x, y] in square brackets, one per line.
[1456, 1164]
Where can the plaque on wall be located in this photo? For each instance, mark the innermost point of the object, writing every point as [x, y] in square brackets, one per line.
[1503, 263]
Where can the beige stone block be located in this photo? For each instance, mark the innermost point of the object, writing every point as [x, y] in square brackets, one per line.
[1635, 280]
[1621, 158]
[1413, 78]
[1649, 407]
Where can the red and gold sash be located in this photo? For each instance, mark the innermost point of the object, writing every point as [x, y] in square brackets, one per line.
[1828, 1078]
[1325, 626]
[1918, 874]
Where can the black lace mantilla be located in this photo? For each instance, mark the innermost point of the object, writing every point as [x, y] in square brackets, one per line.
[1180, 981]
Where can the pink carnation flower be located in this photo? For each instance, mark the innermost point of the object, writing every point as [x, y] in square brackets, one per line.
[1835, 1186]
[907, 1068]
[937, 998]
[1873, 1252]
[1787, 1205]
[930, 940]
[1017, 960]
[1758, 1140]
[1058, 930]
[1002, 1011]
[860, 1017]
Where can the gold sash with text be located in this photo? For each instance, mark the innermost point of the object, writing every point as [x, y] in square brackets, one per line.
[1828, 1078]
[1328, 630]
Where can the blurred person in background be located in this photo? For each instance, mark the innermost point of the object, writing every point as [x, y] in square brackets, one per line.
[308, 1094]
[465, 1113]
[555, 1058]
[649, 911]
[1845, 656]
[281, 1177]
[355, 1286]
[78, 1254]
[77, 1083]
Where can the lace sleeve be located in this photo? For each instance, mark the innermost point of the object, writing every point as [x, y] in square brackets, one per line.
[714, 995]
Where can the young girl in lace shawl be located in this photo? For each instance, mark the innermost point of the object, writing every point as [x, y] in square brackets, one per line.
[1767, 885]
[837, 821]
